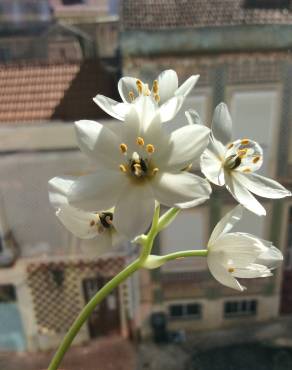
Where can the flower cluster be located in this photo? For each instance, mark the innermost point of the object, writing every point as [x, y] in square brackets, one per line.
[139, 164]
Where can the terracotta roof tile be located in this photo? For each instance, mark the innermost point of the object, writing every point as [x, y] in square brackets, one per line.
[46, 91]
[165, 14]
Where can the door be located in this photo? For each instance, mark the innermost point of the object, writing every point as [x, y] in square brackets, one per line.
[105, 319]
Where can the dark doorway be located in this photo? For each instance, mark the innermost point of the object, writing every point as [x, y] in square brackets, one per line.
[105, 319]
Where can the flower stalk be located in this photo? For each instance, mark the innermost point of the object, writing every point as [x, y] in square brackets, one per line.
[146, 242]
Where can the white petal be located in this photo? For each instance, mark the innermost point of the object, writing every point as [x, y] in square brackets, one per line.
[193, 117]
[182, 190]
[212, 167]
[167, 84]
[238, 249]
[220, 273]
[169, 109]
[263, 186]
[127, 85]
[242, 195]
[113, 108]
[98, 191]
[99, 143]
[187, 86]
[58, 190]
[134, 211]
[78, 222]
[185, 145]
[226, 224]
[252, 271]
[272, 257]
[222, 124]
[98, 246]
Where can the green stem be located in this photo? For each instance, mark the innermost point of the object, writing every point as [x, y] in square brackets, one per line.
[182, 254]
[88, 309]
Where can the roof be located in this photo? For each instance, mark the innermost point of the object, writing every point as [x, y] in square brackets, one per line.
[168, 14]
[43, 91]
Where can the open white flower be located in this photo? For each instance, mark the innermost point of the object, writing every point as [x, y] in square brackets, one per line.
[84, 225]
[233, 164]
[165, 93]
[239, 255]
[138, 164]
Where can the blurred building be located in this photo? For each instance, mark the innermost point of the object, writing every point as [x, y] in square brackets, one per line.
[98, 18]
[49, 73]
[241, 49]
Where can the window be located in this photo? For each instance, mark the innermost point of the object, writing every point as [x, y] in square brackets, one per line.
[193, 226]
[73, 2]
[7, 294]
[240, 308]
[267, 4]
[288, 257]
[260, 109]
[185, 311]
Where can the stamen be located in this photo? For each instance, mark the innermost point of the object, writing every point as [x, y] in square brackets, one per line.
[92, 223]
[157, 98]
[247, 170]
[155, 87]
[242, 152]
[244, 141]
[140, 141]
[131, 96]
[231, 269]
[256, 159]
[147, 92]
[123, 168]
[139, 86]
[231, 145]
[155, 170]
[150, 148]
[123, 148]
[188, 168]
[137, 169]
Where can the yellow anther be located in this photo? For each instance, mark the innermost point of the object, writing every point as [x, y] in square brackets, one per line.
[155, 87]
[139, 86]
[150, 148]
[123, 148]
[131, 96]
[140, 141]
[123, 168]
[231, 269]
[189, 167]
[157, 98]
[244, 141]
[242, 152]
[92, 223]
[231, 145]
[256, 159]
[247, 170]
[155, 170]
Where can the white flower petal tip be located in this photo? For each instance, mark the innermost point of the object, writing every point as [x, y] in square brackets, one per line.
[226, 224]
[222, 123]
[193, 117]
[239, 255]
[187, 86]
[113, 108]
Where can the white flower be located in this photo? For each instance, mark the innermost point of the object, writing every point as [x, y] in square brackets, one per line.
[239, 255]
[139, 163]
[165, 93]
[233, 164]
[84, 225]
